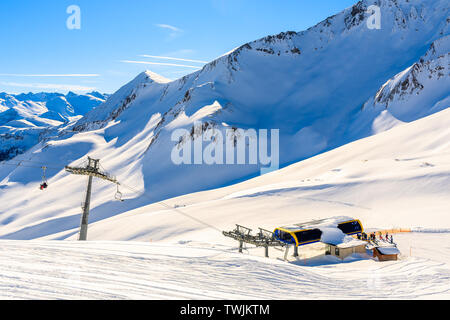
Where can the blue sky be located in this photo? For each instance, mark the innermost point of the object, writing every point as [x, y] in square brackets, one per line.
[39, 53]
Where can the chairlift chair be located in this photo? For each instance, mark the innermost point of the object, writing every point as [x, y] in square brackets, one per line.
[118, 195]
[44, 183]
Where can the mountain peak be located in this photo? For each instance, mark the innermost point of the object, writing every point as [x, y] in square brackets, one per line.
[154, 77]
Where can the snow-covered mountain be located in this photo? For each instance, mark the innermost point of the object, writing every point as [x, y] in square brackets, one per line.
[322, 88]
[425, 83]
[312, 85]
[26, 117]
[418, 91]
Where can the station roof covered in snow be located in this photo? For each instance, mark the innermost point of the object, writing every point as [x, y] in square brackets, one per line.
[348, 242]
[388, 250]
[313, 224]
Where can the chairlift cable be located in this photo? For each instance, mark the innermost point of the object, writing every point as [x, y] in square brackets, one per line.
[26, 165]
[37, 162]
[162, 203]
[29, 166]
[141, 193]
[16, 162]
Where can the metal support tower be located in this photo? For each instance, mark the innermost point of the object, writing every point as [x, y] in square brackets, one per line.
[92, 169]
[264, 238]
[295, 251]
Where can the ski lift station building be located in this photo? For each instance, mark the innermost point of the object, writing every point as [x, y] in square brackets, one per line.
[333, 232]
[345, 249]
[386, 253]
[311, 232]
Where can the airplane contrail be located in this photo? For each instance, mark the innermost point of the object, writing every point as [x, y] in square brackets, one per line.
[49, 75]
[171, 58]
[160, 64]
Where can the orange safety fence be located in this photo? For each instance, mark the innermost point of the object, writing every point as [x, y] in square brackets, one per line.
[389, 231]
[392, 231]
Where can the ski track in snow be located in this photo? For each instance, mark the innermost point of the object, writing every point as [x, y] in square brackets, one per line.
[134, 270]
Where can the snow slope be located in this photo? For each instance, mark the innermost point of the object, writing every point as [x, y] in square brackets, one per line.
[133, 270]
[398, 178]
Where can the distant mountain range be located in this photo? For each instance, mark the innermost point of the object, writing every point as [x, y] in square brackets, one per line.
[26, 118]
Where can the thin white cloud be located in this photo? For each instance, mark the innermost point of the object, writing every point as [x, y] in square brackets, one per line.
[49, 86]
[181, 52]
[168, 26]
[161, 64]
[171, 58]
[49, 75]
